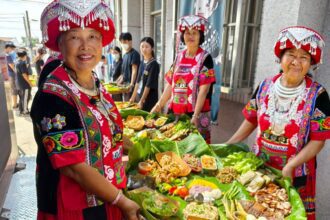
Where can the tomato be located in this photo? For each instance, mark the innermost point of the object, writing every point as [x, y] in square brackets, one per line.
[183, 192]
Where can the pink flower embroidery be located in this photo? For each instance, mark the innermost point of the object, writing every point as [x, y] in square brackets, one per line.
[315, 125]
[276, 160]
[182, 100]
[204, 122]
[69, 139]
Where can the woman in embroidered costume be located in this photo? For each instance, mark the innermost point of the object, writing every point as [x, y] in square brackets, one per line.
[191, 77]
[77, 126]
[291, 113]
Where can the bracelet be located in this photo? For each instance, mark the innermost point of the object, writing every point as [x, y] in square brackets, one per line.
[119, 195]
[195, 116]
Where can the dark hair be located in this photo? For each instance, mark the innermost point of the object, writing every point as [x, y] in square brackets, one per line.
[118, 50]
[201, 38]
[21, 54]
[41, 50]
[11, 45]
[150, 41]
[102, 57]
[125, 36]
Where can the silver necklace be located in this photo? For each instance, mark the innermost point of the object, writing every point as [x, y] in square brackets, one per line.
[283, 104]
[89, 92]
[288, 92]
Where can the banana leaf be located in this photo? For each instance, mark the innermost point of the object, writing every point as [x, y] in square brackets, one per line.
[194, 144]
[298, 210]
[138, 197]
[223, 150]
[242, 195]
[140, 151]
[126, 112]
[164, 145]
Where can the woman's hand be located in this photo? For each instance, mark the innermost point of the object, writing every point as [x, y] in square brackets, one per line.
[140, 105]
[194, 120]
[129, 208]
[287, 170]
[156, 109]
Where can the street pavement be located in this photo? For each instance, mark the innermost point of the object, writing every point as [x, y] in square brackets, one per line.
[21, 198]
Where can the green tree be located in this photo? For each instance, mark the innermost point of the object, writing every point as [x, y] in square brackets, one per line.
[34, 41]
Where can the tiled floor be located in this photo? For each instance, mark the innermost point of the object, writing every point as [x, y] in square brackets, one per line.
[21, 198]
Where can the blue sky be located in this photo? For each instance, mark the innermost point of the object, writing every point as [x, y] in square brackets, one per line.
[11, 17]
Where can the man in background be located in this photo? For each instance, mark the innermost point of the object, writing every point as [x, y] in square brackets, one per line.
[130, 66]
[23, 83]
[10, 53]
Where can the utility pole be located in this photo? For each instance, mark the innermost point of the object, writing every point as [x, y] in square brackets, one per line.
[29, 32]
[26, 32]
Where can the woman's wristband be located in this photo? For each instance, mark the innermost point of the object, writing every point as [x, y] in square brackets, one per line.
[195, 116]
[119, 195]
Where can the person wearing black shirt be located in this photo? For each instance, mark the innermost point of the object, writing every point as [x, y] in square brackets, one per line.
[130, 66]
[146, 87]
[22, 83]
[116, 69]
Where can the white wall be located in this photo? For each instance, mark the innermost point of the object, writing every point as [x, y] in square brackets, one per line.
[276, 16]
[131, 20]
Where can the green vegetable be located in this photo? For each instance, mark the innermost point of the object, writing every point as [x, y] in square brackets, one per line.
[242, 161]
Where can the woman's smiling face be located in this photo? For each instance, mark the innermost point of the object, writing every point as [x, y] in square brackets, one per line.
[295, 64]
[81, 48]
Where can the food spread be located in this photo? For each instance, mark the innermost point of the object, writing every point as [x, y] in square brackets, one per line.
[200, 181]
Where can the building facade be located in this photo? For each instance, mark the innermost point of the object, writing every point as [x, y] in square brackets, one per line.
[248, 31]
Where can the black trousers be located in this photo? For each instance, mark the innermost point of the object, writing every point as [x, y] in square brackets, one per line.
[24, 98]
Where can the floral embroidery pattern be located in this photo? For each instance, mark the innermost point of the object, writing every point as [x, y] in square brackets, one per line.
[206, 73]
[60, 142]
[110, 174]
[49, 144]
[59, 122]
[46, 124]
[107, 145]
[69, 139]
[251, 106]
[321, 124]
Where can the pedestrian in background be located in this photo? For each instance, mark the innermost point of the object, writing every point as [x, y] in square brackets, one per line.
[28, 60]
[110, 61]
[10, 53]
[116, 70]
[101, 69]
[78, 129]
[291, 112]
[146, 87]
[130, 66]
[23, 83]
[39, 61]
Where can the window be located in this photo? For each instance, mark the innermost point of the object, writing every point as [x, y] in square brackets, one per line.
[240, 38]
[156, 17]
[157, 5]
[157, 37]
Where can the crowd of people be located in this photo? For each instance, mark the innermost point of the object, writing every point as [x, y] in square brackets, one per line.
[19, 69]
[75, 118]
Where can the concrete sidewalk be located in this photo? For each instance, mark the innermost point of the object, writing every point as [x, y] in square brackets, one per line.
[21, 198]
